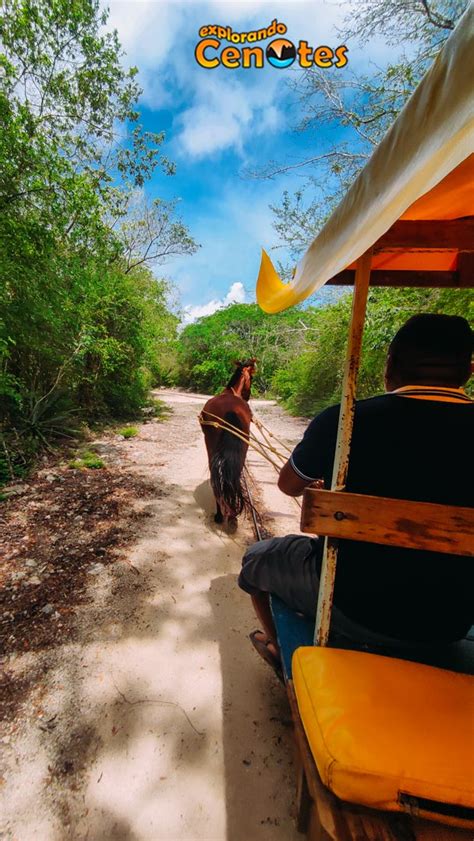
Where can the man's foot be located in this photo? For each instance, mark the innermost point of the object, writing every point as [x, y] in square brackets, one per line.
[268, 651]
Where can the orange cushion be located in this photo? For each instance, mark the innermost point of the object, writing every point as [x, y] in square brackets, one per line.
[379, 727]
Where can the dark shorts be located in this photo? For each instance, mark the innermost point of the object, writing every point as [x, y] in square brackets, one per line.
[287, 567]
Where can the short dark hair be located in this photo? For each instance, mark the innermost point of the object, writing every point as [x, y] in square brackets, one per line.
[431, 349]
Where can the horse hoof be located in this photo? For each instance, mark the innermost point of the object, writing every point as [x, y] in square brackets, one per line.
[219, 517]
[232, 524]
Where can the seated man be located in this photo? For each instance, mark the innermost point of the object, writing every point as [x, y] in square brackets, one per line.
[414, 442]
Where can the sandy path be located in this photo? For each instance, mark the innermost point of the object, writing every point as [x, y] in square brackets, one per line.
[167, 726]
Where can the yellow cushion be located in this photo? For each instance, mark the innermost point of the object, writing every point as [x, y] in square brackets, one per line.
[379, 727]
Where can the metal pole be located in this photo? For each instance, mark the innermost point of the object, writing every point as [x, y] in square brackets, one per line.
[343, 443]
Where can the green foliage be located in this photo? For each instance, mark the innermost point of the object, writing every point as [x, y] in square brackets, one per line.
[206, 376]
[87, 461]
[128, 432]
[314, 379]
[207, 349]
[301, 353]
[85, 328]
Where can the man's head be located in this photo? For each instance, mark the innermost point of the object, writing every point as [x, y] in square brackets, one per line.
[430, 350]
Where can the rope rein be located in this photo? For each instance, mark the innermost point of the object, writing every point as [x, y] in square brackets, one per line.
[251, 440]
[267, 432]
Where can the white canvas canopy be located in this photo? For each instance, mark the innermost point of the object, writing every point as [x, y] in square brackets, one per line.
[422, 170]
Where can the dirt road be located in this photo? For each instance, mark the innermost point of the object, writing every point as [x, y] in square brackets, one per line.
[157, 721]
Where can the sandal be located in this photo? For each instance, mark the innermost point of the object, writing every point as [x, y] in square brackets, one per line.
[260, 642]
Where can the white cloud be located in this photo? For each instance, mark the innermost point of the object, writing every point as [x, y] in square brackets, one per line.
[148, 30]
[227, 111]
[149, 33]
[235, 295]
[310, 19]
[224, 114]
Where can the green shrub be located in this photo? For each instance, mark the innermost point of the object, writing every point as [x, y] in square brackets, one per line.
[87, 460]
[128, 432]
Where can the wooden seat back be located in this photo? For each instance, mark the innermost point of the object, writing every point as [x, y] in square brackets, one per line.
[392, 522]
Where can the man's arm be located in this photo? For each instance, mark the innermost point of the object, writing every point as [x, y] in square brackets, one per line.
[311, 460]
[290, 483]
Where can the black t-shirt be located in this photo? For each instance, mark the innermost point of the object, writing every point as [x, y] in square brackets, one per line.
[403, 448]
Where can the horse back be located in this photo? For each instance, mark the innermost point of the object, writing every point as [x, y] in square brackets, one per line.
[228, 402]
[220, 406]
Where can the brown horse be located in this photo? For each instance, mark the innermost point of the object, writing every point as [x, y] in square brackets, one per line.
[226, 451]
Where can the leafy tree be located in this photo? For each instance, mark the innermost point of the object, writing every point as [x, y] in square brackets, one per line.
[84, 325]
[66, 90]
[313, 378]
[151, 233]
[208, 348]
[301, 352]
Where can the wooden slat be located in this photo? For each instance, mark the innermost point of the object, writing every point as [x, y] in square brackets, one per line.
[392, 522]
[429, 831]
[422, 279]
[436, 234]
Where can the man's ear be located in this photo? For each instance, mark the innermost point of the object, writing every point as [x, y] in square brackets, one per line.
[391, 380]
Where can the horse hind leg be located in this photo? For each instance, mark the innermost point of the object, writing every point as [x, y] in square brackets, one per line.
[232, 524]
[226, 518]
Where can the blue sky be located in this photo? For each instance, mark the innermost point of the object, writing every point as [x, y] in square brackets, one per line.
[219, 124]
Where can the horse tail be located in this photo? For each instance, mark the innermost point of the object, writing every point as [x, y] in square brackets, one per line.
[227, 462]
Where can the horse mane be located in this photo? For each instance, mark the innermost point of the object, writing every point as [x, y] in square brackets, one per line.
[248, 363]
